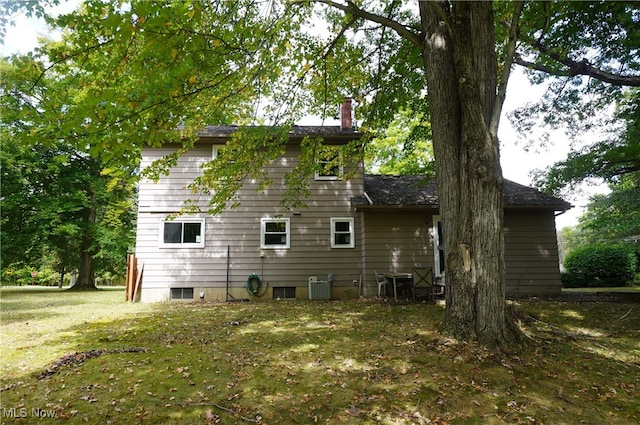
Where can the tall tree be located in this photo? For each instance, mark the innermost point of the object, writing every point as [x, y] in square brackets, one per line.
[155, 72]
[58, 201]
[588, 54]
[461, 68]
[609, 159]
[613, 217]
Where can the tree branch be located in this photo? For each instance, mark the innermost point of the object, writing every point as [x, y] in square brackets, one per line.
[66, 58]
[336, 39]
[506, 70]
[582, 67]
[350, 7]
[538, 67]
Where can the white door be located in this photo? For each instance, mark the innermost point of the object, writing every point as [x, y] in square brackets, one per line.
[438, 247]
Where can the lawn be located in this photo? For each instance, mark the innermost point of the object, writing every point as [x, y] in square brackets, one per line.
[355, 362]
[619, 289]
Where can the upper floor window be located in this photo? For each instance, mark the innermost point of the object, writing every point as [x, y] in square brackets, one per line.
[329, 164]
[215, 150]
[182, 233]
[275, 233]
[342, 233]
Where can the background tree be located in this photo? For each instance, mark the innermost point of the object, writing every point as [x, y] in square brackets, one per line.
[590, 96]
[614, 217]
[609, 219]
[58, 210]
[605, 160]
[61, 207]
[403, 147]
[588, 54]
[151, 73]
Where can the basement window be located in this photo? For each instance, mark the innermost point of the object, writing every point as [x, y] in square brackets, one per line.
[284, 293]
[181, 293]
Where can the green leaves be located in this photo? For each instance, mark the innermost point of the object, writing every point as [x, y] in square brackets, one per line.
[601, 265]
[128, 75]
[588, 52]
[403, 148]
[612, 217]
[243, 159]
[148, 69]
[47, 193]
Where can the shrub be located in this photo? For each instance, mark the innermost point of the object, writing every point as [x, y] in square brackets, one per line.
[571, 280]
[601, 265]
[19, 274]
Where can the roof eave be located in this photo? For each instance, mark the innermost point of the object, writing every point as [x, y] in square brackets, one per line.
[329, 133]
[552, 207]
[379, 207]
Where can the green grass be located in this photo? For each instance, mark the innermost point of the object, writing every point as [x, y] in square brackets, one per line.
[619, 289]
[311, 362]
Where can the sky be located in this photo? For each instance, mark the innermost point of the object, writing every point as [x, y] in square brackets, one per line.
[517, 162]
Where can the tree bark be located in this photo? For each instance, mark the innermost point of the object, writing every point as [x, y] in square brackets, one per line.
[86, 273]
[460, 63]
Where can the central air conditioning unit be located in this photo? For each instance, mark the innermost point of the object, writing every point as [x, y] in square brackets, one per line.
[320, 289]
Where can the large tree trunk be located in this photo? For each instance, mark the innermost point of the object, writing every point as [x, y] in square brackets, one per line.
[86, 274]
[461, 74]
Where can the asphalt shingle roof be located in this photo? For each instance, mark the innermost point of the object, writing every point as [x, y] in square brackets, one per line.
[296, 131]
[417, 191]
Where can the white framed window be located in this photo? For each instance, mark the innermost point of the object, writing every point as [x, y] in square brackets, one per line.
[275, 233]
[182, 233]
[342, 233]
[329, 164]
[215, 150]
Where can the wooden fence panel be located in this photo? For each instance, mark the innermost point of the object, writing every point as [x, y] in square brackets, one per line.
[132, 277]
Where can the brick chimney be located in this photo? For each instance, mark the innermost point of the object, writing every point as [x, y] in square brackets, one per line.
[346, 122]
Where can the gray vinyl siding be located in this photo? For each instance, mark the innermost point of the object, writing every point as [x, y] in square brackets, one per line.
[310, 250]
[531, 252]
[399, 240]
[396, 242]
[169, 193]
[385, 241]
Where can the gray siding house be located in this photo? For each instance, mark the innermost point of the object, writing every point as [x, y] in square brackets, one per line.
[350, 229]
[401, 227]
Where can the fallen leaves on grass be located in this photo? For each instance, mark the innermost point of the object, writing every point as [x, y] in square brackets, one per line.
[339, 362]
[80, 357]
